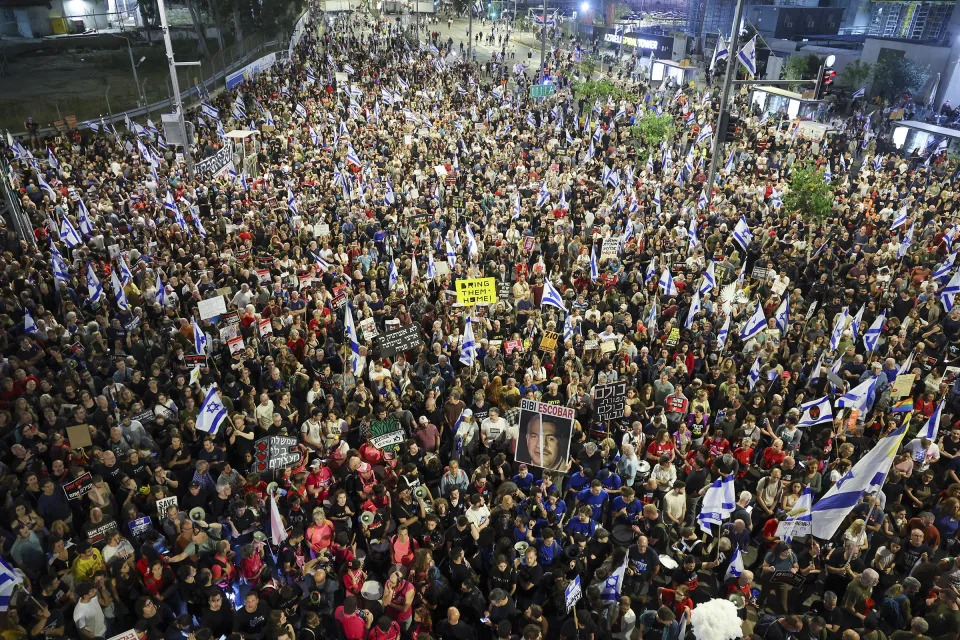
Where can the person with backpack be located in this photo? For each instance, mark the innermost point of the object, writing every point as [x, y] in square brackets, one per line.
[778, 628]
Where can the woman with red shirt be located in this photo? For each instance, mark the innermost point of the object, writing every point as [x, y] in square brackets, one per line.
[353, 578]
[661, 445]
[160, 581]
[320, 533]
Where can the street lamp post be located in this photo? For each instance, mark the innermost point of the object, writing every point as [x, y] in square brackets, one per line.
[177, 102]
[133, 65]
[543, 42]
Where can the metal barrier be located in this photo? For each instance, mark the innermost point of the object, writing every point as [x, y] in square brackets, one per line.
[12, 208]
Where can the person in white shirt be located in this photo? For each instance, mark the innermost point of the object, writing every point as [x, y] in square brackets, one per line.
[924, 452]
[621, 619]
[479, 513]
[494, 429]
[243, 297]
[88, 614]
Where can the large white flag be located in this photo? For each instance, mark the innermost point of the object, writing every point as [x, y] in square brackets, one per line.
[718, 503]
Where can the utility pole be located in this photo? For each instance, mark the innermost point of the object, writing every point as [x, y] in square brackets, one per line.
[543, 43]
[177, 102]
[732, 65]
[470, 34]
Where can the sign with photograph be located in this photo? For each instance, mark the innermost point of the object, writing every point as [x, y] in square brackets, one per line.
[369, 328]
[545, 434]
[609, 400]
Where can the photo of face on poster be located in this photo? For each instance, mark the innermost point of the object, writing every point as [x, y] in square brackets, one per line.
[545, 434]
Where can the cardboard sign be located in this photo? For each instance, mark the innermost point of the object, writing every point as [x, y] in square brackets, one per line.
[163, 503]
[549, 340]
[610, 248]
[591, 345]
[512, 345]
[386, 433]
[674, 337]
[442, 268]
[609, 400]
[79, 435]
[608, 346]
[211, 307]
[78, 487]
[400, 340]
[276, 452]
[794, 528]
[369, 328]
[472, 291]
[903, 385]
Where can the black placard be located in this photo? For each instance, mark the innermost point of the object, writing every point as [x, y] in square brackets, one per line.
[609, 400]
[400, 340]
[78, 487]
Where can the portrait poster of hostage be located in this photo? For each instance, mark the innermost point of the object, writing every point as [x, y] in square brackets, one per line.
[545, 434]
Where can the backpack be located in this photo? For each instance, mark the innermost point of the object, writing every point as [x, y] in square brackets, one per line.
[764, 625]
[891, 612]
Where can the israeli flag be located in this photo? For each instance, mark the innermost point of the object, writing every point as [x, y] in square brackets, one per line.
[688, 163]
[720, 53]
[860, 397]
[756, 324]
[859, 93]
[868, 474]
[782, 315]
[59, 267]
[753, 376]
[656, 199]
[350, 334]
[118, 294]
[748, 56]
[598, 134]
[352, 157]
[209, 111]
[568, 329]
[899, 219]
[594, 270]
[705, 134]
[9, 579]
[94, 288]
[838, 328]
[872, 336]
[694, 310]
[551, 296]
[472, 247]
[199, 339]
[543, 197]
[590, 152]
[667, 284]
[52, 160]
[468, 346]
[722, 334]
[815, 412]
[212, 414]
[348, 69]
[827, 173]
[68, 234]
[652, 318]
[948, 292]
[563, 204]
[856, 322]
[516, 205]
[775, 199]
[239, 110]
[709, 282]
[742, 234]
[46, 187]
[160, 293]
[701, 205]
[717, 504]
[451, 256]
[735, 570]
[292, 203]
[799, 519]
[431, 268]
[613, 586]
[650, 163]
[731, 162]
[29, 325]
[388, 196]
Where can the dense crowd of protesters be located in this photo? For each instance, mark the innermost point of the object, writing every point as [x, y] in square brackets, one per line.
[446, 536]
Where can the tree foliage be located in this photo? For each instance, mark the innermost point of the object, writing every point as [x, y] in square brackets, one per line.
[652, 129]
[809, 194]
[897, 76]
[801, 68]
[856, 74]
[591, 90]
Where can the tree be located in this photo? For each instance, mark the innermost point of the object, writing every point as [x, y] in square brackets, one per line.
[856, 74]
[801, 68]
[809, 194]
[652, 129]
[893, 77]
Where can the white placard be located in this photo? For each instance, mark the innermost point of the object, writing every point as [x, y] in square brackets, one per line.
[369, 328]
[266, 328]
[163, 503]
[212, 307]
[610, 248]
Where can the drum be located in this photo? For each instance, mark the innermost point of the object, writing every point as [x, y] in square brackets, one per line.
[622, 535]
[371, 592]
[668, 563]
[379, 553]
[643, 473]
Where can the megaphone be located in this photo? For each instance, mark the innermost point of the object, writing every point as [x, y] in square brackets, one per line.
[366, 518]
[272, 489]
[521, 547]
[198, 514]
[420, 492]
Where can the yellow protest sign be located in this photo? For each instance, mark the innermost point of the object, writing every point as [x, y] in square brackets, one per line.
[471, 291]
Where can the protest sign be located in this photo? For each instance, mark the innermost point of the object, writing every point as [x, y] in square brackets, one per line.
[545, 434]
[275, 452]
[163, 503]
[609, 400]
[610, 248]
[211, 307]
[386, 433]
[549, 340]
[471, 291]
[78, 487]
[400, 340]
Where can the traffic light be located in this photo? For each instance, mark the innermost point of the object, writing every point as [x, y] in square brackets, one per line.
[827, 77]
[729, 125]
